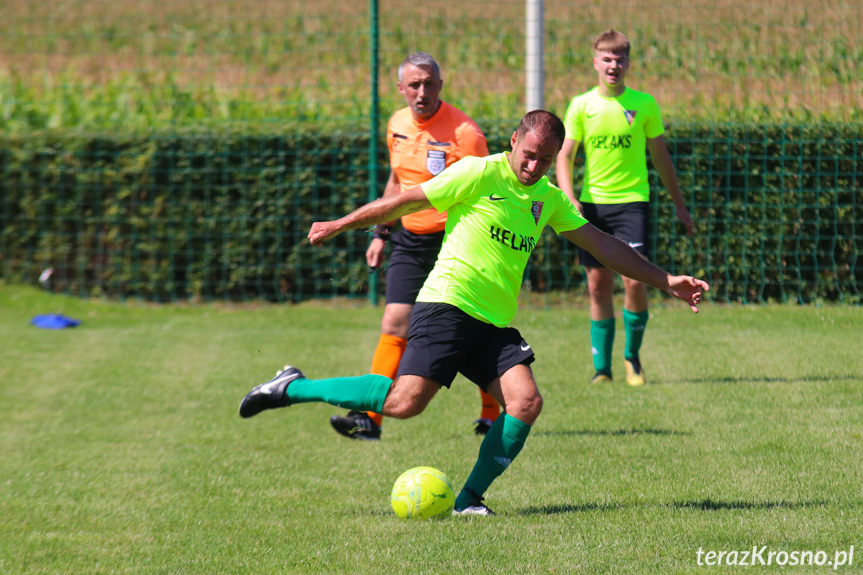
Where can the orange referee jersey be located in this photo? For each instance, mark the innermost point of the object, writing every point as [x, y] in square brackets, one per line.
[421, 150]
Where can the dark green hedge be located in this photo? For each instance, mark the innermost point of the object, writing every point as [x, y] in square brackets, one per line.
[225, 215]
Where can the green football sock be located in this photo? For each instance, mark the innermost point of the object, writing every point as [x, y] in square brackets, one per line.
[602, 342]
[361, 393]
[501, 445]
[634, 324]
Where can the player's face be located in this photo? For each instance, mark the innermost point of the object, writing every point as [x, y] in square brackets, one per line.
[611, 68]
[421, 89]
[532, 156]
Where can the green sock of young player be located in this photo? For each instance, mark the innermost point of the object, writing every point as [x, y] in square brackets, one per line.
[634, 324]
[501, 445]
[602, 342]
[361, 393]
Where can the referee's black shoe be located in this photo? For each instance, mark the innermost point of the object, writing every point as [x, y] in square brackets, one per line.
[482, 426]
[357, 425]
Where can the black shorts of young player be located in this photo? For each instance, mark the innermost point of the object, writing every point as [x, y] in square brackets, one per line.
[629, 222]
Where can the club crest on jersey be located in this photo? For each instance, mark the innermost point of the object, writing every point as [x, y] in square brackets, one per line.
[630, 115]
[536, 210]
[436, 161]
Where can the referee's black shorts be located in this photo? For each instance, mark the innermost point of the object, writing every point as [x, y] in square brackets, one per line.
[444, 341]
[411, 261]
[629, 222]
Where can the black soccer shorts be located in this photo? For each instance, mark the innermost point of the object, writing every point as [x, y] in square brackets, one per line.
[444, 341]
[629, 222]
[411, 261]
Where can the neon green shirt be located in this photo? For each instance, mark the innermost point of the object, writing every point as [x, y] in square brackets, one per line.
[614, 132]
[493, 224]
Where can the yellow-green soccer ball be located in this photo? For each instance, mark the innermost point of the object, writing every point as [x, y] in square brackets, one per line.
[423, 493]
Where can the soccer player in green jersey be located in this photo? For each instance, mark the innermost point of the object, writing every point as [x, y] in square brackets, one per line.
[617, 125]
[496, 207]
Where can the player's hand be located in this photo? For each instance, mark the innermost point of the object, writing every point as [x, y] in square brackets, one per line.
[375, 253]
[688, 289]
[685, 219]
[578, 207]
[322, 231]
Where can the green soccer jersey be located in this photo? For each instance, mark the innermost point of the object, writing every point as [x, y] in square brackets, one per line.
[493, 223]
[614, 133]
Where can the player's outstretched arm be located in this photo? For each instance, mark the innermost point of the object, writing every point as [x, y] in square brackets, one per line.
[618, 256]
[381, 210]
[375, 252]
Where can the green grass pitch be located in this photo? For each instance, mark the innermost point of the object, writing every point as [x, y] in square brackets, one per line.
[121, 450]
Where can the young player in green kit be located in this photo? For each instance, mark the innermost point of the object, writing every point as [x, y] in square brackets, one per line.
[616, 125]
[496, 207]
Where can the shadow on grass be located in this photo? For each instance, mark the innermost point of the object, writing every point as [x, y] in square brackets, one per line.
[699, 505]
[732, 380]
[719, 505]
[612, 432]
[582, 508]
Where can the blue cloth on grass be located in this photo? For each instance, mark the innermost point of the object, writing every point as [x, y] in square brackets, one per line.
[54, 321]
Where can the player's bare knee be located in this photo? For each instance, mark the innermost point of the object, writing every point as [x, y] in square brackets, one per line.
[526, 408]
[408, 397]
[534, 405]
[633, 285]
[390, 329]
[601, 290]
[396, 323]
[597, 292]
[405, 409]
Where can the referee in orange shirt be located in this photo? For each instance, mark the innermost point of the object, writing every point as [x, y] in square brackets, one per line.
[423, 138]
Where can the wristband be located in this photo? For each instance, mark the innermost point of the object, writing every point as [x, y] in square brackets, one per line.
[382, 232]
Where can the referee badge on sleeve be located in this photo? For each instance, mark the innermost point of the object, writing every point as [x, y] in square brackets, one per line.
[436, 161]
